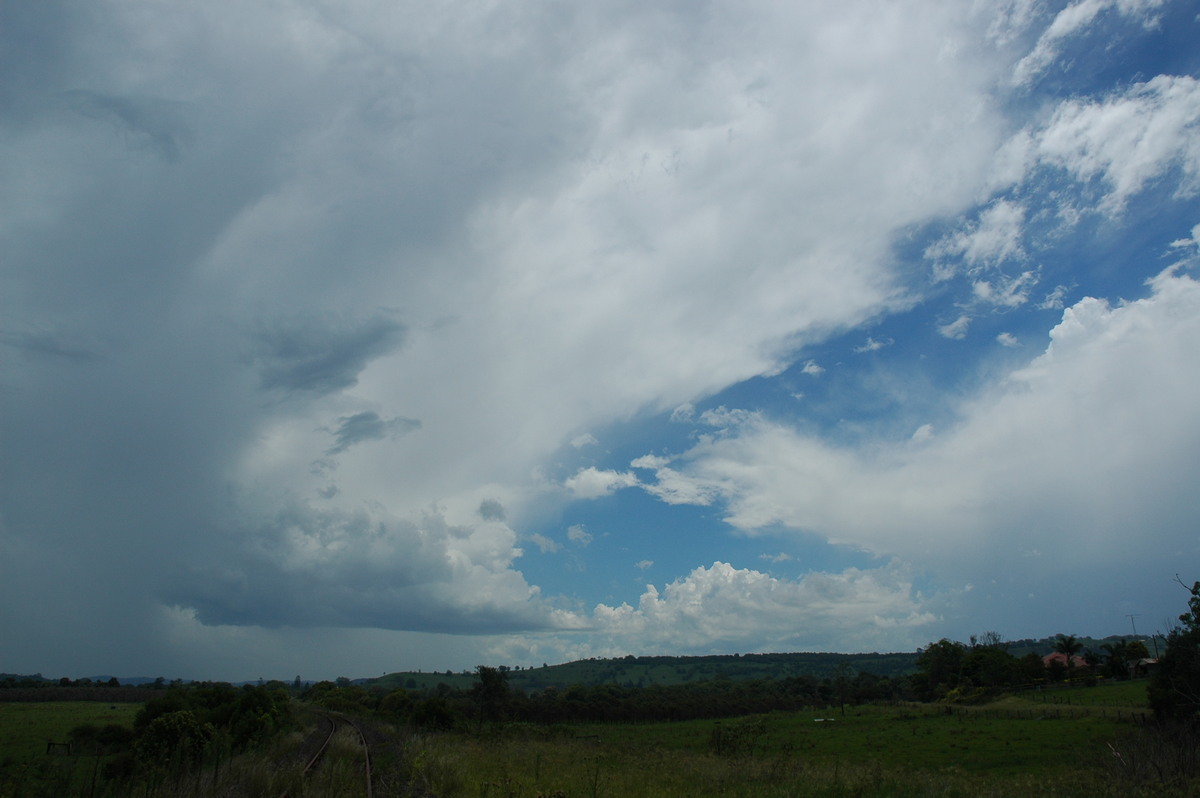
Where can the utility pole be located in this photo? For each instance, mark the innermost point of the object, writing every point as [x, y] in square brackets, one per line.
[1153, 640]
[1131, 623]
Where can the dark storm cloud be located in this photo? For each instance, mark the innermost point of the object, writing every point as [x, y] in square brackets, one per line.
[144, 121]
[47, 345]
[34, 50]
[369, 426]
[320, 355]
[308, 567]
[491, 510]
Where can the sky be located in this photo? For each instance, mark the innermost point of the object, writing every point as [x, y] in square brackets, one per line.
[343, 337]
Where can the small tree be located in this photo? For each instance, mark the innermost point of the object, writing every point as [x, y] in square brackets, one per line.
[1174, 690]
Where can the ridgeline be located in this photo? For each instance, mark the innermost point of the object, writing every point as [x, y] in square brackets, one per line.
[631, 671]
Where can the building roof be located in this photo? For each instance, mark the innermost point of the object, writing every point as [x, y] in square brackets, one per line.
[1061, 658]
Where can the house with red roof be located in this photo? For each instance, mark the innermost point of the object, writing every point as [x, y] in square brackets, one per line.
[1061, 659]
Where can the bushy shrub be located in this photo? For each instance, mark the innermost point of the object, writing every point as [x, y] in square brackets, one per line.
[174, 739]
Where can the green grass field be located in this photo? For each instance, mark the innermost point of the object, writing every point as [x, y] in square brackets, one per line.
[979, 763]
[891, 738]
[1023, 745]
[26, 727]
[1059, 742]
[1108, 694]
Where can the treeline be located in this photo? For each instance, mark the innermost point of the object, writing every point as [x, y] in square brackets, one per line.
[36, 688]
[964, 672]
[11, 681]
[493, 699]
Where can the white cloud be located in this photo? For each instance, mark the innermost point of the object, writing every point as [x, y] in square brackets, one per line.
[1055, 300]
[642, 565]
[673, 488]
[956, 329]
[1069, 22]
[1096, 437]
[291, 570]
[586, 439]
[721, 608]
[683, 413]
[874, 346]
[812, 368]
[344, 281]
[1005, 292]
[923, 433]
[1012, 17]
[1192, 243]
[995, 238]
[593, 483]
[1008, 339]
[1128, 139]
[725, 417]
[544, 543]
[578, 535]
[650, 461]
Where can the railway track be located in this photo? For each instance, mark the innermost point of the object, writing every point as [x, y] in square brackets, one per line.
[336, 722]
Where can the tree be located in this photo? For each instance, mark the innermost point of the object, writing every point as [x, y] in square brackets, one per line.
[1069, 647]
[941, 665]
[1174, 690]
[1030, 669]
[397, 704]
[989, 640]
[989, 666]
[491, 692]
[1137, 650]
[1116, 659]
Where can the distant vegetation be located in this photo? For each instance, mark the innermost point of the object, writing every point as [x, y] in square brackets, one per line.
[640, 672]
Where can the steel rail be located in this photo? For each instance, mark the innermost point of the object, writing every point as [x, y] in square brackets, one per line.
[334, 720]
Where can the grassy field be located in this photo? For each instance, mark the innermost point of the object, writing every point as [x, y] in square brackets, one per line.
[888, 737]
[1061, 742]
[1018, 746]
[26, 727]
[1110, 694]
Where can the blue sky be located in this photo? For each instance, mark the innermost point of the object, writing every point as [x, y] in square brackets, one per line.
[345, 338]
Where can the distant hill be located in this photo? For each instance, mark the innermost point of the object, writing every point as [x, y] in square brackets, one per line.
[633, 671]
[128, 681]
[1045, 645]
